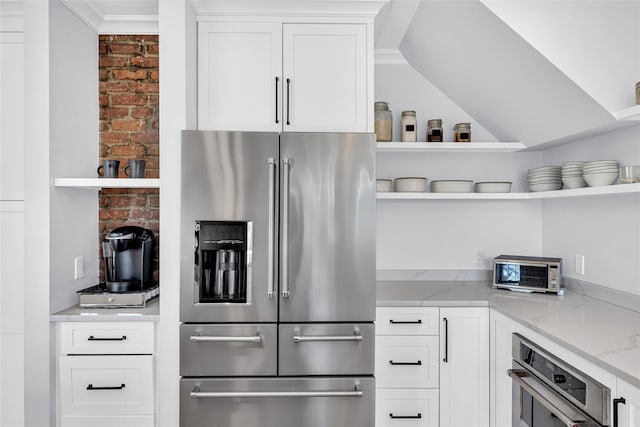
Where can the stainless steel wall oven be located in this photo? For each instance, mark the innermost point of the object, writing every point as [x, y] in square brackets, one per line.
[549, 392]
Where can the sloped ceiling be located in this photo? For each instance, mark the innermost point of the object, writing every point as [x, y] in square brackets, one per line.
[495, 75]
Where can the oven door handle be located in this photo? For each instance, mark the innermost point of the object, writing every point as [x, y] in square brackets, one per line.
[568, 414]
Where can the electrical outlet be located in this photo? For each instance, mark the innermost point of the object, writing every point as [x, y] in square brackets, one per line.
[478, 256]
[78, 267]
[580, 264]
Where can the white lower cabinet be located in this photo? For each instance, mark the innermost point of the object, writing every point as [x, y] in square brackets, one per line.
[432, 366]
[629, 411]
[106, 374]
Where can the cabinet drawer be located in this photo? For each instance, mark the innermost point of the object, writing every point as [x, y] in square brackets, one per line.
[106, 385]
[106, 337]
[407, 320]
[111, 421]
[406, 408]
[407, 362]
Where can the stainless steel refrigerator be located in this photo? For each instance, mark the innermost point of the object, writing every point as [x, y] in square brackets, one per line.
[277, 279]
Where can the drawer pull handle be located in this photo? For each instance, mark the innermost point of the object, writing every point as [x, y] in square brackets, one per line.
[419, 362]
[204, 338]
[92, 338]
[357, 337]
[91, 387]
[405, 322]
[197, 394]
[405, 416]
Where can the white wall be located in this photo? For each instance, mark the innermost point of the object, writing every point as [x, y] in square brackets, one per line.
[605, 230]
[443, 235]
[595, 43]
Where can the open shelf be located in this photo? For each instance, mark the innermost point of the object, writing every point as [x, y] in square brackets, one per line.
[100, 183]
[558, 194]
[632, 113]
[451, 147]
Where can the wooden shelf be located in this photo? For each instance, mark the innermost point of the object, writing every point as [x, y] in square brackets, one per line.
[558, 194]
[450, 147]
[100, 183]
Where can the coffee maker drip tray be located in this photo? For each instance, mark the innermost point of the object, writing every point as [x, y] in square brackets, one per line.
[100, 296]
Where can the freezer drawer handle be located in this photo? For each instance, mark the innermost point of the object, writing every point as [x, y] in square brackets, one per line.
[419, 415]
[418, 363]
[197, 394]
[550, 400]
[200, 338]
[318, 338]
[91, 387]
[92, 338]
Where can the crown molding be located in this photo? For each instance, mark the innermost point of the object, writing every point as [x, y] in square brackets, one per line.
[111, 23]
[289, 8]
[389, 57]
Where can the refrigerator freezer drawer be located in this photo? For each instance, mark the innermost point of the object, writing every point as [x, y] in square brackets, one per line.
[277, 402]
[327, 349]
[228, 350]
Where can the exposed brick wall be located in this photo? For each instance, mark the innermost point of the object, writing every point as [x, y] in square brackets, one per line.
[129, 107]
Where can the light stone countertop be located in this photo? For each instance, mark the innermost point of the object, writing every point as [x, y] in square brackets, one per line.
[150, 313]
[605, 334]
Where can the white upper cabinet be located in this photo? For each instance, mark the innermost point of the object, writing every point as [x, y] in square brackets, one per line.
[325, 76]
[265, 76]
[240, 76]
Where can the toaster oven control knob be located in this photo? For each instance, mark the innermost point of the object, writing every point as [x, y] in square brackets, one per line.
[554, 282]
[559, 379]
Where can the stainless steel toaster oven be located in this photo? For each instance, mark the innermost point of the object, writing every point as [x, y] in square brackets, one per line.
[528, 274]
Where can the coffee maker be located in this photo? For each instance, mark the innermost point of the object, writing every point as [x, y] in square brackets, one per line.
[128, 259]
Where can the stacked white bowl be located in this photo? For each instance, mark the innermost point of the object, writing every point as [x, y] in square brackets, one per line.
[545, 178]
[572, 175]
[602, 172]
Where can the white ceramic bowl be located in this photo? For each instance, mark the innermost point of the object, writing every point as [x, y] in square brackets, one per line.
[493, 187]
[383, 185]
[573, 182]
[545, 186]
[411, 185]
[451, 186]
[600, 179]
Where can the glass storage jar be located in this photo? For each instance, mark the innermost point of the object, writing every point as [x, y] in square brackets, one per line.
[434, 130]
[409, 126]
[383, 121]
[462, 132]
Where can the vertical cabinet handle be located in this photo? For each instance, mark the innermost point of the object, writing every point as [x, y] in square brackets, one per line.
[277, 81]
[284, 274]
[288, 90]
[446, 340]
[616, 402]
[271, 227]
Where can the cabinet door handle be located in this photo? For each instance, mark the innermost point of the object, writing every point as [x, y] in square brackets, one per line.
[446, 340]
[418, 363]
[405, 322]
[616, 402]
[277, 81]
[91, 387]
[419, 415]
[92, 338]
[288, 90]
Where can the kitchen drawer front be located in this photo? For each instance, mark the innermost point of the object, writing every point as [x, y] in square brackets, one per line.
[225, 350]
[407, 320]
[106, 337]
[106, 385]
[327, 349]
[109, 421]
[407, 362]
[277, 402]
[407, 407]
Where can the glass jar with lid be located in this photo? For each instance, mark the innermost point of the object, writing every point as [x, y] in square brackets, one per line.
[462, 132]
[383, 122]
[409, 126]
[434, 130]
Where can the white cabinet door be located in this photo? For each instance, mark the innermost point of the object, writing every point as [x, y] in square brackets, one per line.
[238, 64]
[501, 338]
[629, 412]
[11, 313]
[325, 77]
[11, 116]
[406, 361]
[464, 366]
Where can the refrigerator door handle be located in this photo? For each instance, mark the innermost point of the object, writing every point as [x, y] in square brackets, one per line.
[272, 229]
[357, 337]
[284, 274]
[197, 394]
